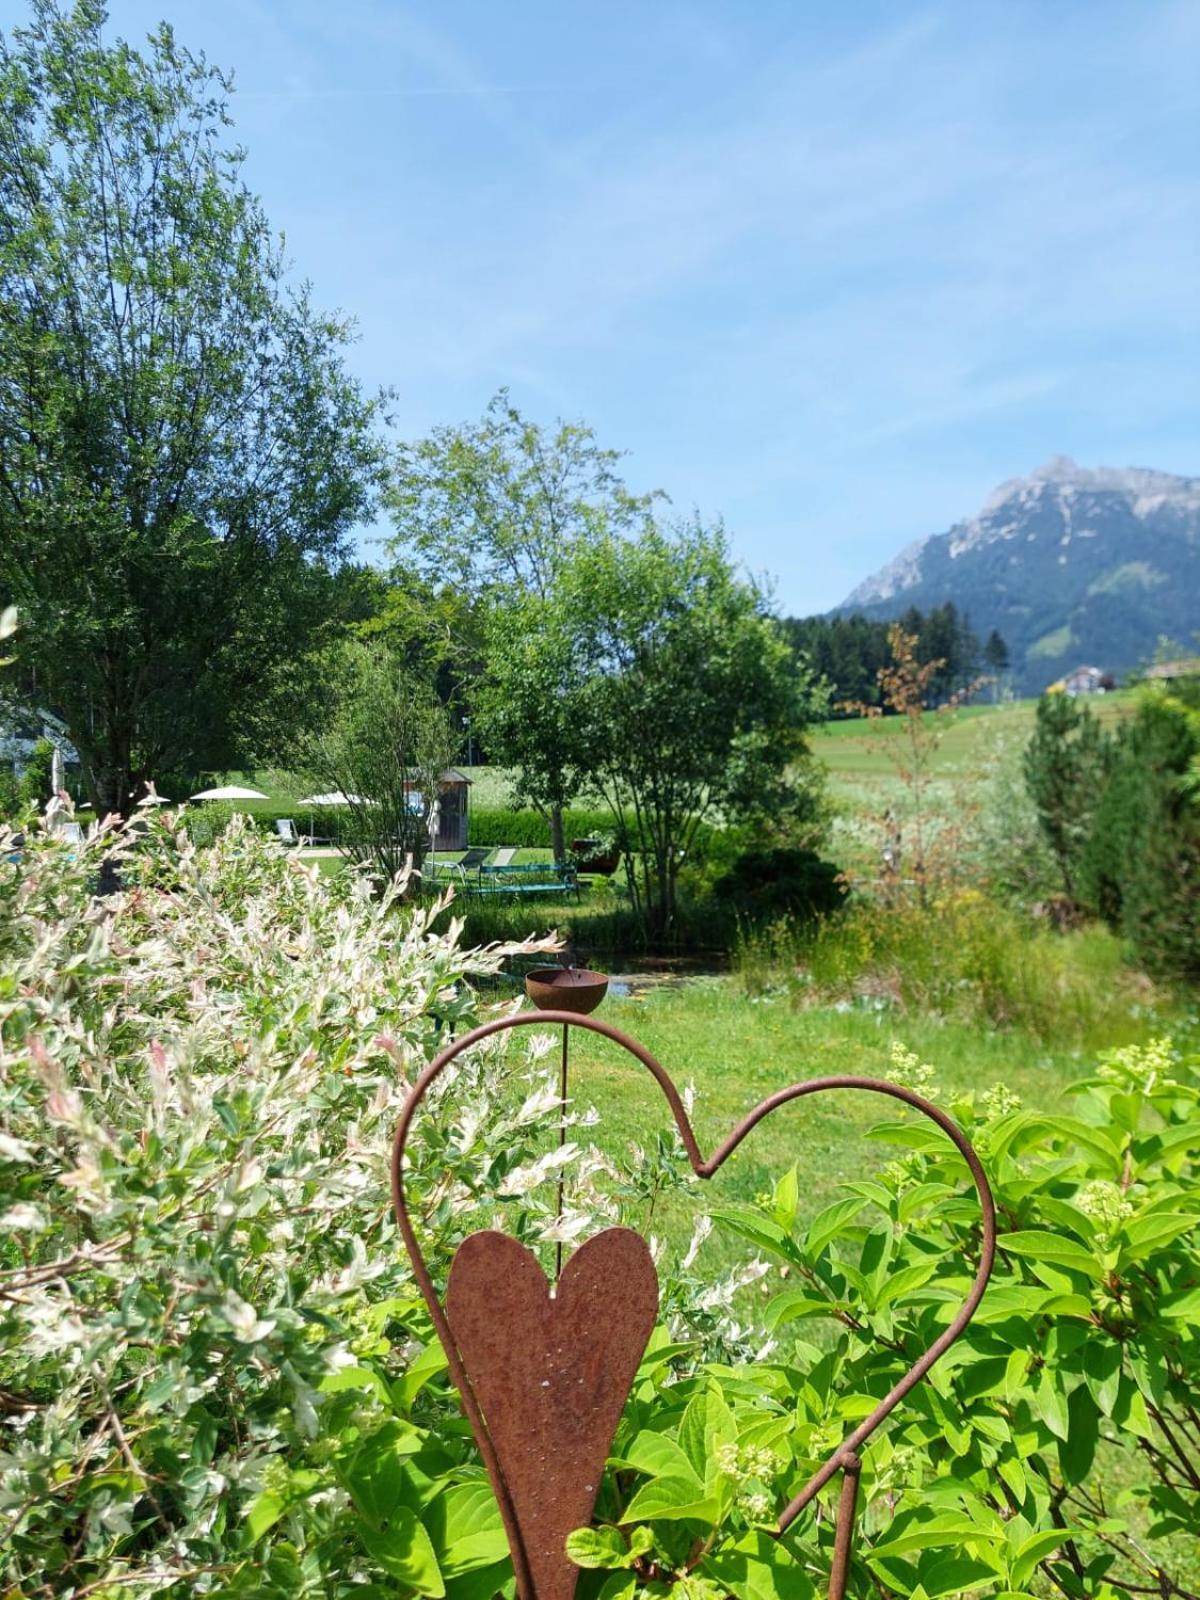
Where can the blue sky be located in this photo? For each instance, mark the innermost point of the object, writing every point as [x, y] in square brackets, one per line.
[830, 272]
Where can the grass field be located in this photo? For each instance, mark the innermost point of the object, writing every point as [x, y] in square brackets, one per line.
[735, 1050]
[862, 756]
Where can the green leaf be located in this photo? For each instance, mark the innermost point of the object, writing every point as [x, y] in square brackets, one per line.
[1050, 1403]
[429, 1364]
[619, 1586]
[904, 1282]
[827, 1224]
[1078, 1451]
[403, 1549]
[707, 1424]
[481, 1583]
[468, 1529]
[671, 1500]
[1102, 1372]
[1012, 1473]
[758, 1567]
[757, 1230]
[1142, 1236]
[786, 1199]
[356, 1378]
[374, 1475]
[954, 1574]
[599, 1547]
[1184, 1308]
[919, 1533]
[264, 1513]
[660, 1457]
[1055, 1248]
[794, 1304]
[1036, 1548]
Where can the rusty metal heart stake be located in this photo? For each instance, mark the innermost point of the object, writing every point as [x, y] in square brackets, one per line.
[544, 1375]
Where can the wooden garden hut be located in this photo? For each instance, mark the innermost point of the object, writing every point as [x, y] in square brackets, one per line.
[453, 812]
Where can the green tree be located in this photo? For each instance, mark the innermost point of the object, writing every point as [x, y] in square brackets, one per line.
[485, 514]
[490, 508]
[995, 652]
[996, 659]
[1140, 865]
[384, 747]
[1066, 765]
[35, 779]
[531, 705]
[182, 451]
[691, 708]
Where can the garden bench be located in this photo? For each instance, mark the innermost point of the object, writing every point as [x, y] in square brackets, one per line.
[538, 877]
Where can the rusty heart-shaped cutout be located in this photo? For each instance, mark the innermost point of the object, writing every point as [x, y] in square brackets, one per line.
[537, 1508]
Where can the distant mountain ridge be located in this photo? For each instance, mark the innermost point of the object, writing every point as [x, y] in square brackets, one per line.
[1072, 564]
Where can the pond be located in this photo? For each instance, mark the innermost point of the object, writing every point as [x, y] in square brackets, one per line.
[645, 974]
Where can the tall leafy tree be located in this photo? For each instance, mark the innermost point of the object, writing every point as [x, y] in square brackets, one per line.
[530, 700]
[383, 745]
[182, 451]
[487, 513]
[490, 508]
[690, 707]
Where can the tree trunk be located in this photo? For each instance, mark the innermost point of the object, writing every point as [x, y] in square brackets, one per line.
[557, 842]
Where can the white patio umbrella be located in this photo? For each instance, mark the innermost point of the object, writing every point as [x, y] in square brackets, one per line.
[58, 773]
[229, 791]
[152, 796]
[335, 798]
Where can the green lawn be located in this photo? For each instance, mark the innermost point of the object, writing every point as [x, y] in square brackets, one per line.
[736, 1050]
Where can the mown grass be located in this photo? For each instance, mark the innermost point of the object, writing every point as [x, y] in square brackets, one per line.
[735, 1049]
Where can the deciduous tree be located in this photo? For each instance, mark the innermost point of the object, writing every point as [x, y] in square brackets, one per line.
[690, 705]
[384, 746]
[182, 451]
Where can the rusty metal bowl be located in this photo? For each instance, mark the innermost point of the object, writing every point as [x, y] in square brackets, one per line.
[566, 988]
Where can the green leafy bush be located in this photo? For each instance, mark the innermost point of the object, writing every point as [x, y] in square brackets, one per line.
[198, 1082]
[10, 793]
[530, 830]
[35, 780]
[1058, 1442]
[205, 820]
[782, 882]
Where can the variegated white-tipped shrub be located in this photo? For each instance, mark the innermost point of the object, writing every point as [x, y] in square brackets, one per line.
[199, 1078]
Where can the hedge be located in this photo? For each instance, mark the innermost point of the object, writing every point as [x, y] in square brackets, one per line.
[529, 830]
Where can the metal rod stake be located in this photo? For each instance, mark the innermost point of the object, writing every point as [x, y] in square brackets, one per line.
[562, 1139]
[844, 1536]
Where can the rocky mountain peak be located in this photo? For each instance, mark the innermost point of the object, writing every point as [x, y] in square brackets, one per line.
[1094, 562]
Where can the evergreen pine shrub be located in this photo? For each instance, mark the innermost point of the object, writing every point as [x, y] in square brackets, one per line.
[1140, 867]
